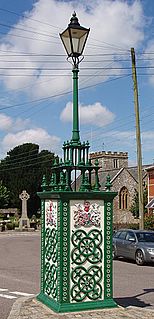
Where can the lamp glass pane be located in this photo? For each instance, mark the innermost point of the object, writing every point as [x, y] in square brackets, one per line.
[78, 39]
[82, 42]
[66, 41]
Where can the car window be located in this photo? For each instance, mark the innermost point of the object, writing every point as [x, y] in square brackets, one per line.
[117, 234]
[122, 235]
[129, 235]
[145, 237]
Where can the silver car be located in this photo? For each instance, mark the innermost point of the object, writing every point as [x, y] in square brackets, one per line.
[137, 245]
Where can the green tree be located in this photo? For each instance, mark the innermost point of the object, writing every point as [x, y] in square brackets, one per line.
[23, 168]
[4, 196]
[135, 205]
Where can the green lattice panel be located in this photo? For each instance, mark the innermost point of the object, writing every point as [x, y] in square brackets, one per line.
[108, 251]
[87, 261]
[51, 250]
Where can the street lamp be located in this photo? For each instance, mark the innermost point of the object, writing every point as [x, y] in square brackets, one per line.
[74, 40]
[76, 228]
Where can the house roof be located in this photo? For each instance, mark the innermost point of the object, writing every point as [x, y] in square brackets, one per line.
[149, 168]
[150, 204]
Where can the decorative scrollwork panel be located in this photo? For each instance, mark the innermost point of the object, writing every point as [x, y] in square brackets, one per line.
[51, 251]
[86, 247]
[87, 244]
[86, 283]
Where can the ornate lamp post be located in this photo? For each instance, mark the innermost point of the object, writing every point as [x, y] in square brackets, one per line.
[76, 235]
[74, 40]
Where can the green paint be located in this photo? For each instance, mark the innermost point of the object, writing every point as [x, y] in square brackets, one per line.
[75, 131]
[42, 244]
[108, 286]
[65, 253]
[80, 306]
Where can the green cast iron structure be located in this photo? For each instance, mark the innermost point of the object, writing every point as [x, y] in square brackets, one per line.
[76, 235]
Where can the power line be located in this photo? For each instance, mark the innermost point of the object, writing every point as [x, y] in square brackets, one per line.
[68, 69]
[30, 31]
[61, 94]
[22, 15]
[29, 38]
[18, 161]
[25, 166]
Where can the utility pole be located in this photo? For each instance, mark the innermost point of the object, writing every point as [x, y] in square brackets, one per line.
[138, 141]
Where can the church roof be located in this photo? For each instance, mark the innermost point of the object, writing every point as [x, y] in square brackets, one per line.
[133, 171]
[115, 172]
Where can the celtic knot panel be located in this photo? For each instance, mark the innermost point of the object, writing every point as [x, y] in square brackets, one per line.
[51, 280]
[86, 246]
[51, 270]
[51, 244]
[86, 283]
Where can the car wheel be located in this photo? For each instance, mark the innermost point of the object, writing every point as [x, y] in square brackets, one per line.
[139, 258]
[114, 255]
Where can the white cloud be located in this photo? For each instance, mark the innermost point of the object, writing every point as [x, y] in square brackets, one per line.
[115, 22]
[5, 122]
[8, 123]
[20, 124]
[148, 138]
[37, 135]
[95, 114]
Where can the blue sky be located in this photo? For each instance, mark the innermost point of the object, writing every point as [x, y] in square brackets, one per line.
[36, 79]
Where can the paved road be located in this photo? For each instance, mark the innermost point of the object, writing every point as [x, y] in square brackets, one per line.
[133, 285]
[19, 268]
[20, 265]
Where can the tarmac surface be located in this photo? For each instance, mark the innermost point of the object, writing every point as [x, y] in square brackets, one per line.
[30, 308]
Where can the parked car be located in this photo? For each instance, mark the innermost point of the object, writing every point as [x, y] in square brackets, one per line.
[137, 245]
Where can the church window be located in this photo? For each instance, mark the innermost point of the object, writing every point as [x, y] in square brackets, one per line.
[116, 163]
[123, 198]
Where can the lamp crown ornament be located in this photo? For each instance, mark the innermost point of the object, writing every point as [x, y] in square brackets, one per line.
[74, 20]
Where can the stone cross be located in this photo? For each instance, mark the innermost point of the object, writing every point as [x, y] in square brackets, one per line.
[24, 220]
[24, 196]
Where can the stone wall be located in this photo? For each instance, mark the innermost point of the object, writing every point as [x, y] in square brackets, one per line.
[10, 211]
[123, 180]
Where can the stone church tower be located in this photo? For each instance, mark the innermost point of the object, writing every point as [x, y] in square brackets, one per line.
[110, 160]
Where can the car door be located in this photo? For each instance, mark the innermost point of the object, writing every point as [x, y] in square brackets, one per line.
[129, 245]
[120, 241]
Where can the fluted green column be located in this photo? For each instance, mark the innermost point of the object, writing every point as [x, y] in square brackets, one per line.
[75, 131]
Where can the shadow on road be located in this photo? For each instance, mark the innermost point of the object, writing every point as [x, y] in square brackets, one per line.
[134, 300]
[130, 261]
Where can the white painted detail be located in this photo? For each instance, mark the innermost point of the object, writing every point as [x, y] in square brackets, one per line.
[5, 293]
[7, 296]
[25, 294]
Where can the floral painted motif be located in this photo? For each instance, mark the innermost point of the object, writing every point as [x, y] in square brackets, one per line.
[51, 213]
[87, 214]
